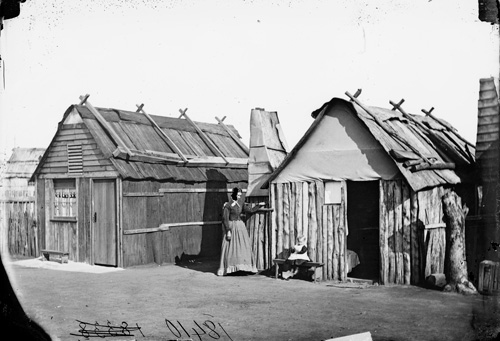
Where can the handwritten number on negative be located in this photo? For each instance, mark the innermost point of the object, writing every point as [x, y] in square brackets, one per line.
[196, 332]
[177, 332]
[212, 329]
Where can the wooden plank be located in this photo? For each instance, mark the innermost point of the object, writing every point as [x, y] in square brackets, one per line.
[273, 223]
[286, 216]
[197, 190]
[298, 209]
[142, 194]
[383, 233]
[398, 233]
[313, 239]
[414, 241]
[342, 232]
[279, 221]
[391, 238]
[324, 238]
[406, 233]
[320, 194]
[336, 243]
[305, 210]
[291, 199]
[330, 226]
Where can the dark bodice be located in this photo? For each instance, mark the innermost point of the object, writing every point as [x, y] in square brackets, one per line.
[233, 212]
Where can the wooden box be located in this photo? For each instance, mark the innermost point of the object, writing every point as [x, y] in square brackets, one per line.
[55, 256]
[489, 275]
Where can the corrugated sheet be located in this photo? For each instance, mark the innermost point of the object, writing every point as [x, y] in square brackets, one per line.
[488, 129]
[137, 133]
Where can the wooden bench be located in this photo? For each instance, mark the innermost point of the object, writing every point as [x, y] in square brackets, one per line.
[310, 265]
[55, 256]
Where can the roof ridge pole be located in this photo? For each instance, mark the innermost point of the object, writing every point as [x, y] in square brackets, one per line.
[233, 136]
[444, 124]
[107, 127]
[204, 137]
[380, 123]
[162, 133]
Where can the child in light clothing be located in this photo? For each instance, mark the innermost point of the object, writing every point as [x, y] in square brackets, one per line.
[298, 256]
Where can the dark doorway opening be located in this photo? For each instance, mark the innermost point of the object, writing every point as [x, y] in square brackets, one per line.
[363, 225]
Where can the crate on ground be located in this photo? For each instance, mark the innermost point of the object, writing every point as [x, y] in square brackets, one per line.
[489, 276]
[55, 256]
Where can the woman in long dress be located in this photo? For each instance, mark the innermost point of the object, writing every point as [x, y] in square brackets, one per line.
[236, 251]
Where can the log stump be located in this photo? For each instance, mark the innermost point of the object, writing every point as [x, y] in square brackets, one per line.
[455, 214]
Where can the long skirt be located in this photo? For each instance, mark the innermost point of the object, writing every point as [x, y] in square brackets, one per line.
[236, 254]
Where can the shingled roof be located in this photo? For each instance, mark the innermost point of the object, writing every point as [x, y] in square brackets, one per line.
[427, 151]
[144, 146]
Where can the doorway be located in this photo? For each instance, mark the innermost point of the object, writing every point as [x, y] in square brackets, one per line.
[104, 222]
[363, 225]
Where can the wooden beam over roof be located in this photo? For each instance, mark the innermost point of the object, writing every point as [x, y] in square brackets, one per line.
[167, 139]
[107, 127]
[233, 136]
[204, 137]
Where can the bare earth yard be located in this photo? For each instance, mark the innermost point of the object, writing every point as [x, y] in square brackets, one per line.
[257, 307]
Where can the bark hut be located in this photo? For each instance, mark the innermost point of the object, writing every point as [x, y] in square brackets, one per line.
[457, 269]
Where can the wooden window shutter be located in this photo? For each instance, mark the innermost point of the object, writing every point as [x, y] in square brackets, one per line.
[75, 161]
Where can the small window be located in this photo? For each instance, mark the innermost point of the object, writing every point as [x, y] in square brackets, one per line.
[65, 198]
[333, 192]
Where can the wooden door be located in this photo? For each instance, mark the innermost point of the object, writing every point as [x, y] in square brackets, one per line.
[104, 222]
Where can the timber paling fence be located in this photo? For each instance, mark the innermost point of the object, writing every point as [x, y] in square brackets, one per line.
[18, 228]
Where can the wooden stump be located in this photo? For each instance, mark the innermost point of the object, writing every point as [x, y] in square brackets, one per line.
[455, 215]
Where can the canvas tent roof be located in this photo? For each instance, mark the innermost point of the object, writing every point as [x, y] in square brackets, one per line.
[151, 156]
[399, 138]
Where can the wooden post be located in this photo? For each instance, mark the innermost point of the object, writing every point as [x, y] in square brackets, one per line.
[320, 195]
[383, 233]
[279, 220]
[336, 243]
[390, 228]
[330, 224]
[456, 214]
[398, 232]
[272, 224]
[298, 208]
[342, 231]
[305, 210]
[286, 216]
[291, 216]
[406, 233]
[414, 237]
[325, 241]
[313, 226]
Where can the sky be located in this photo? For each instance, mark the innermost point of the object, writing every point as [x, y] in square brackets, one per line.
[224, 58]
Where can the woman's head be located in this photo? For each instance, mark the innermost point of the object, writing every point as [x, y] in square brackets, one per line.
[301, 239]
[236, 194]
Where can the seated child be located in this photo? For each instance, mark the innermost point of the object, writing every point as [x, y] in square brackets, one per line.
[298, 255]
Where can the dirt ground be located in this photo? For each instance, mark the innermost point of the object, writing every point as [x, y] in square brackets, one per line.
[177, 302]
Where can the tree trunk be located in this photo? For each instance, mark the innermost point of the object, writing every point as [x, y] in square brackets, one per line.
[455, 215]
